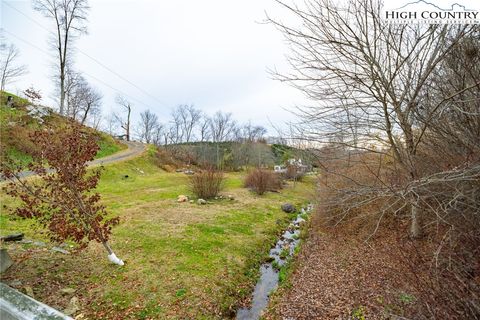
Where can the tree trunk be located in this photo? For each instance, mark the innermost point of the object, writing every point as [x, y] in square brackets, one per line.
[87, 110]
[3, 81]
[107, 247]
[128, 123]
[415, 226]
[62, 92]
[111, 255]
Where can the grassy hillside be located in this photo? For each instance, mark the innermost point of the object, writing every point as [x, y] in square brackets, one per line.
[16, 124]
[183, 260]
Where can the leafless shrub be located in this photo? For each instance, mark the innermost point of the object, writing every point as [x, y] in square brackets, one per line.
[294, 173]
[166, 160]
[207, 184]
[367, 191]
[261, 181]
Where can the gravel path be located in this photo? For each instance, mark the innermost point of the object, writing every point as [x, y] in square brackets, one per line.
[134, 149]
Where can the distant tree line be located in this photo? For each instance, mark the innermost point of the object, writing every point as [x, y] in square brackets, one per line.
[189, 124]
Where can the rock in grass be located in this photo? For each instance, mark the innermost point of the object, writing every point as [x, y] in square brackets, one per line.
[15, 283]
[299, 221]
[182, 198]
[5, 260]
[269, 259]
[57, 249]
[13, 237]
[66, 291]
[39, 244]
[201, 201]
[288, 208]
[73, 306]
[28, 291]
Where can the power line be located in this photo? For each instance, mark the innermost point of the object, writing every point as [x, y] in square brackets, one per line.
[25, 41]
[89, 75]
[91, 58]
[121, 77]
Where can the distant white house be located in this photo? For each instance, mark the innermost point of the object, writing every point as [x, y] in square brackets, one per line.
[292, 162]
[295, 162]
[299, 165]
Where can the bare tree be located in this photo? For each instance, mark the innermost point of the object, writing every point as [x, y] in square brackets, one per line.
[457, 122]
[252, 154]
[221, 126]
[95, 118]
[190, 118]
[158, 134]
[175, 132]
[398, 116]
[148, 126]
[204, 128]
[357, 66]
[170, 135]
[91, 104]
[69, 17]
[8, 67]
[83, 100]
[252, 133]
[124, 121]
[72, 80]
[109, 123]
[184, 120]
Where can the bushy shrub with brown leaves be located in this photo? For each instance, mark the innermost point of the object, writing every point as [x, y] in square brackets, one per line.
[207, 184]
[261, 181]
[63, 198]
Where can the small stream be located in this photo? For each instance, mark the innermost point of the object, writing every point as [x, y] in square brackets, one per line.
[268, 274]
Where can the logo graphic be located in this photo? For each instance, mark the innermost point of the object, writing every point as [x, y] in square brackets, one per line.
[422, 11]
[455, 6]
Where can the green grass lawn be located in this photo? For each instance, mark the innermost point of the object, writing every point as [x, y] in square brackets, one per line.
[108, 146]
[183, 260]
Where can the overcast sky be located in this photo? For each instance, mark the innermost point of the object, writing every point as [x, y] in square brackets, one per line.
[211, 53]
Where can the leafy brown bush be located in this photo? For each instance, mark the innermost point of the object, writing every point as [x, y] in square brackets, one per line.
[261, 181]
[206, 184]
